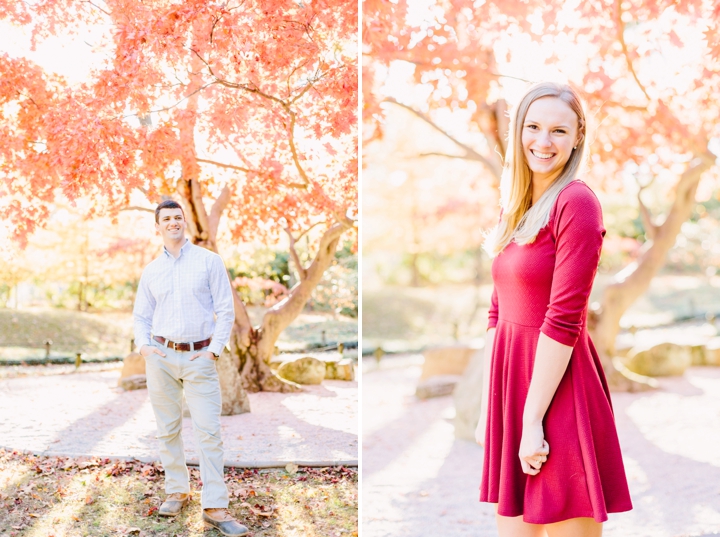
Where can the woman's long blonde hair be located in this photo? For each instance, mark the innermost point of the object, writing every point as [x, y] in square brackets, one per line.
[521, 221]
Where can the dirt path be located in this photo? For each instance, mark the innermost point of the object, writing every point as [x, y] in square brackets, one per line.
[417, 479]
[86, 414]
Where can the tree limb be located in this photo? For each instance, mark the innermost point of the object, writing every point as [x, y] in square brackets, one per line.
[302, 273]
[437, 154]
[621, 38]
[173, 105]
[293, 149]
[470, 153]
[236, 85]
[308, 230]
[217, 209]
[136, 208]
[645, 216]
[223, 165]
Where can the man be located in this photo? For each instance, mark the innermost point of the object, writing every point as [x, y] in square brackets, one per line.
[179, 295]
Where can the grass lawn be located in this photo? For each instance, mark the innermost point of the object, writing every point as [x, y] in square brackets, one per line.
[107, 335]
[58, 497]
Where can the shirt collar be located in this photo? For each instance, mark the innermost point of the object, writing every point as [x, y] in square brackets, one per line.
[185, 246]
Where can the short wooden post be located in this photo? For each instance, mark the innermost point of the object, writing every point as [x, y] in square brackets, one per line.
[78, 359]
[48, 344]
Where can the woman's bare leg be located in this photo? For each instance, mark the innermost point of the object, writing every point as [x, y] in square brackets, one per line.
[575, 527]
[515, 527]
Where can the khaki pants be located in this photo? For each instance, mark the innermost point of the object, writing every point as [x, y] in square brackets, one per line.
[167, 377]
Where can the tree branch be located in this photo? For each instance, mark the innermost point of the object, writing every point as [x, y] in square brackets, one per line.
[236, 85]
[223, 165]
[308, 230]
[98, 7]
[302, 273]
[293, 149]
[621, 38]
[470, 153]
[173, 105]
[217, 209]
[136, 208]
[437, 154]
[645, 216]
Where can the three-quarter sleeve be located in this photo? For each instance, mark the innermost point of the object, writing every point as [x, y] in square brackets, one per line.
[578, 232]
[493, 313]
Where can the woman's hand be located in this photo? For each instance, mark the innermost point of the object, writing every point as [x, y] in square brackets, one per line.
[534, 450]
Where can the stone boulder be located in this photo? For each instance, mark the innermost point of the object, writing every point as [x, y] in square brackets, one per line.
[134, 382]
[662, 360]
[436, 386]
[447, 360]
[697, 354]
[340, 369]
[468, 397]
[306, 370]
[712, 352]
[133, 364]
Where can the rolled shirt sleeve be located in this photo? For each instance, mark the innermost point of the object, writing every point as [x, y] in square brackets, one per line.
[143, 310]
[578, 231]
[222, 304]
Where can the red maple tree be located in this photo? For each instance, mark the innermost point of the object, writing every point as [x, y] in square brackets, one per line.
[648, 71]
[241, 110]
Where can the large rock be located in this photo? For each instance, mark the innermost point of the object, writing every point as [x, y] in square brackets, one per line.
[306, 370]
[436, 386]
[697, 354]
[133, 364]
[662, 360]
[134, 382]
[340, 369]
[712, 352]
[468, 397]
[448, 360]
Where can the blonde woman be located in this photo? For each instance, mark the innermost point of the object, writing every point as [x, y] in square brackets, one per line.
[552, 459]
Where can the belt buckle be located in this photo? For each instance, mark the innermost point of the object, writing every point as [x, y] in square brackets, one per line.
[175, 346]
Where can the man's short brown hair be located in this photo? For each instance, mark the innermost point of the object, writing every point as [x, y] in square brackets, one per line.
[167, 204]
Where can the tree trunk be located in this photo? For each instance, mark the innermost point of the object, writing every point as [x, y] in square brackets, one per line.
[632, 281]
[246, 367]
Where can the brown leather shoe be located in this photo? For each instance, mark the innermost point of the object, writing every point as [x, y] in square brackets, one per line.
[223, 521]
[173, 504]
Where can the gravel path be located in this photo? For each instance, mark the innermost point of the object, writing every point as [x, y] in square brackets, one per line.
[417, 479]
[85, 414]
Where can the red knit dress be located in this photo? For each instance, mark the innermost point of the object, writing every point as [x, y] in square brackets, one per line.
[544, 287]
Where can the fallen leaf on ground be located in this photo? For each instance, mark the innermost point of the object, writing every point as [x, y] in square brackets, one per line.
[258, 511]
[291, 468]
[89, 499]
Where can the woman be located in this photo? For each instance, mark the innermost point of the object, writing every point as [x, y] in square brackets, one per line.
[552, 458]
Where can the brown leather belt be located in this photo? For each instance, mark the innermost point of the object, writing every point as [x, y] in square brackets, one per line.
[182, 346]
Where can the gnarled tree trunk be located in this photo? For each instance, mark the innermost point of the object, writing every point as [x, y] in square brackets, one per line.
[632, 281]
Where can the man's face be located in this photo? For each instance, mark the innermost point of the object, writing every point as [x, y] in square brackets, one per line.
[171, 224]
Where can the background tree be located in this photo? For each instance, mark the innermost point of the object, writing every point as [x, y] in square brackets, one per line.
[648, 72]
[245, 111]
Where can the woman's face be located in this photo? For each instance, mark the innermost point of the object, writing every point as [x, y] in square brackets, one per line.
[549, 133]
